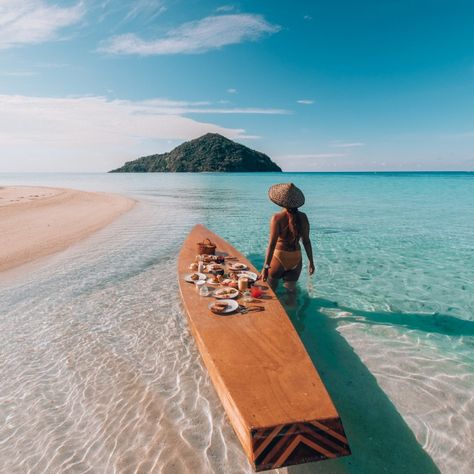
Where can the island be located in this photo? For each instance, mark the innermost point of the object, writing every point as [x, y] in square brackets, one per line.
[209, 153]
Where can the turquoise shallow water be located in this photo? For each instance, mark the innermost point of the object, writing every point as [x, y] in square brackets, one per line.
[100, 374]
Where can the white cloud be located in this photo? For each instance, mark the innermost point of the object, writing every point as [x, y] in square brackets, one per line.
[150, 8]
[50, 65]
[126, 11]
[91, 133]
[122, 12]
[212, 32]
[176, 107]
[348, 145]
[225, 8]
[305, 101]
[233, 110]
[468, 134]
[18, 73]
[34, 21]
[308, 17]
[232, 91]
[310, 161]
[312, 156]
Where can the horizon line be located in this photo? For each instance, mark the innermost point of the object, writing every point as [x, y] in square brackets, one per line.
[247, 172]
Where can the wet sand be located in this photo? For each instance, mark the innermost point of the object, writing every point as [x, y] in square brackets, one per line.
[39, 221]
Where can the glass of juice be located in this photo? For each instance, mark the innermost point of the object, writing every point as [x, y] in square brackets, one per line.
[243, 284]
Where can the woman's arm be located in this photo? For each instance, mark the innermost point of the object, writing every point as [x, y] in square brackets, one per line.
[307, 243]
[271, 246]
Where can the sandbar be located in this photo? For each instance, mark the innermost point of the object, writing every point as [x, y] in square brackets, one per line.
[39, 221]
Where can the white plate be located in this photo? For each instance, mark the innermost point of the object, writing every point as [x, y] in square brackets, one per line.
[253, 276]
[226, 281]
[233, 305]
[226, 295]
[188, 277]
[237, 267]
[210, 282]
[215, 267]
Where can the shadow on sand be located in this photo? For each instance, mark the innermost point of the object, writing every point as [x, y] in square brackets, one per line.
[380, 440]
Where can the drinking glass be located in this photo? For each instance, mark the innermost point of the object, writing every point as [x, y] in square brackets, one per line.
[247, 297]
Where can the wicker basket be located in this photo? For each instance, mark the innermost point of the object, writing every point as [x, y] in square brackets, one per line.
[206, 247]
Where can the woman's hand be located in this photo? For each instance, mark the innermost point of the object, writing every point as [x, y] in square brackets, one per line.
[311, 268]
[264, 274]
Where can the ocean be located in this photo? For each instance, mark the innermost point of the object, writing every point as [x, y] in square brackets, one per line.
[99, 372]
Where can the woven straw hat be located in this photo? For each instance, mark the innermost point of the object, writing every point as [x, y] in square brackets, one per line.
[286, 195]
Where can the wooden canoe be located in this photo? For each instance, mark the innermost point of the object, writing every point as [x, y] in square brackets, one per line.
[273, 396]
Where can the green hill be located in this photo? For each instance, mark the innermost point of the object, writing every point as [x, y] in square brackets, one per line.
[211, 152]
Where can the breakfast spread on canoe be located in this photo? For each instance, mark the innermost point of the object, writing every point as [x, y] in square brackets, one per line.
[225, 279]
[273, 396]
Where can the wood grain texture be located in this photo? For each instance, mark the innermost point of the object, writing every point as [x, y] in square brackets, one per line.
[262, 374]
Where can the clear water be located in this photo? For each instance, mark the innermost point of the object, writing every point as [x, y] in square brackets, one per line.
[99, 373]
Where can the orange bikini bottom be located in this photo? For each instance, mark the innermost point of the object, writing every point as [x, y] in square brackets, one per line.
[289, 259]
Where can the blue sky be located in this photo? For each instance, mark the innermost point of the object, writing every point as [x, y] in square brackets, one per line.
[319, 86]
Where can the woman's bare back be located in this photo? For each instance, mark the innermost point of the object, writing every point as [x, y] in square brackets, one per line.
[280, 225]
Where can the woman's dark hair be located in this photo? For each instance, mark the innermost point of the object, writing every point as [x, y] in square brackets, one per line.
[294, 224]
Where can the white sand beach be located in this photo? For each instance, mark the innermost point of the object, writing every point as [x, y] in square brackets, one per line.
[38, 221]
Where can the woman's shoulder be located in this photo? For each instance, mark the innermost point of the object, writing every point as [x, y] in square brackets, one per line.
[278, 216]
[277, 220]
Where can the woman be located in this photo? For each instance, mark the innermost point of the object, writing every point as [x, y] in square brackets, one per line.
[287, 228]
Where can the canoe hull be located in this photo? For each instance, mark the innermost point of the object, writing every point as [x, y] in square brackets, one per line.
[298, 443]
[271, 392]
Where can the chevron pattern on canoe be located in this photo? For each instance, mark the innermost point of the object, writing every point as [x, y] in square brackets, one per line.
[296, 443]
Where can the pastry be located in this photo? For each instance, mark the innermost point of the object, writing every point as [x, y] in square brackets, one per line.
[221, 306]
